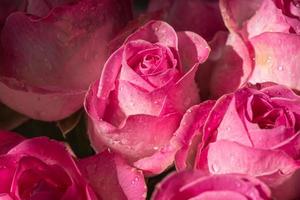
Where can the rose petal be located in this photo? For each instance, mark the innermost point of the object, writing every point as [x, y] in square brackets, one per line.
[245, 160]
[230, 55]
[137, 137]
[189, 132]
[193, 49]
[274, 61]
[198, 185]
[8, 140]
[112, 178]
[47, 106]
[73, 34]
[200, 16]
[156, 32]
[252, 18]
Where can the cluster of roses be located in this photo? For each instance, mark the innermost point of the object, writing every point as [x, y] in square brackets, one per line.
[144, 113]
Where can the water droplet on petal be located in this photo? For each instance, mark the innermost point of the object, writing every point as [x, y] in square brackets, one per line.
[215, 168]
[280, 68]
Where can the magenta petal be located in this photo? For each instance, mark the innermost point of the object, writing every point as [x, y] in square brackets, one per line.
[156, 32]
[193, 49]
[8, 140]
[199, 186]
[4, 196]
[55, 153]
[273, 60]
[112, 178]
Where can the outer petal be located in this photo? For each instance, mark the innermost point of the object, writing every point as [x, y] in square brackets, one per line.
[156, 31]
[54, 59]
[200, 16]
[8, 140]
[230, 55]
[112, 178]
[197, 185]
[55, 153]
[273, 60]
[189, 134]
[137, 137]
[276, 168]
[252, 18]
[246, 160]
[193, 49]
[41, 105]
[9, 6]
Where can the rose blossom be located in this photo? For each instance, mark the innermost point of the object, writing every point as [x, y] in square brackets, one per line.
[254, 131]
[145, 88]
[197, 185]
[40, 168]
[50, 51]
[263, 45]
[200, 16]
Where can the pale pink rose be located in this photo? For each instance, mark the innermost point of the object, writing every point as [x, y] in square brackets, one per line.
[200, 16]
[251, 18]
[145, 88]
[42, 169]
[50, 51]
[254, 131]
[263, 45]
[200, 186]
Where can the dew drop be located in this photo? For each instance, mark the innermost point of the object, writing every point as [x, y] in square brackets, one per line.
[280, 68]
[269, 59]
[134, 180]
[215, 168]
[155, 148]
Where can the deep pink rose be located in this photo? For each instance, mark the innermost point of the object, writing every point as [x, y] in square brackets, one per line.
[263, 45]
[254, 131]
[199, 186]
[50, 51]
[42, 169]
[200, 16]
[145, 88]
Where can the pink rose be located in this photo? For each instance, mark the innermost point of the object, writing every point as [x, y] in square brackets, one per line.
[40, 168]
[145, 88]
[200, 16]
[251, 18]
[197, 185]
[254, 131]
[52, 50]
[263, 45]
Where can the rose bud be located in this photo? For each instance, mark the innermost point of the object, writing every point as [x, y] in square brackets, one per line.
[145, 88]
[50, 51]
[40, 168]
[200, 16]
[255, 131]
[198, 185]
